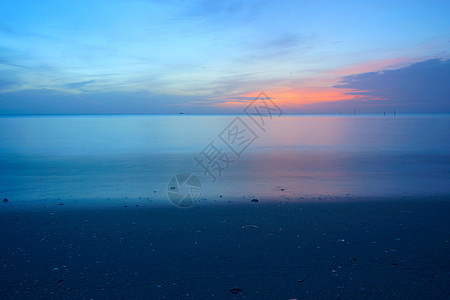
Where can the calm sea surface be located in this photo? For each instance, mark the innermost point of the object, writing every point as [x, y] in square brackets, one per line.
[102, 158]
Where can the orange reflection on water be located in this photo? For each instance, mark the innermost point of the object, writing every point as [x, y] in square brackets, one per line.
[298, 154]
[305, 131]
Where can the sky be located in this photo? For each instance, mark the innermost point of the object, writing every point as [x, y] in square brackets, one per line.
[142, 56]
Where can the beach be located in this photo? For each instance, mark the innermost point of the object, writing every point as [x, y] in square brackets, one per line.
[315, 207]
[370, 248]
[224, 150]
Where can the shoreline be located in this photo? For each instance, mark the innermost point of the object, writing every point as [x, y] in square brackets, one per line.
[161, 201]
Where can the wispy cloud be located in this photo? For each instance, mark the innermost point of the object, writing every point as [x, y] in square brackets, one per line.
[45, 101]
[79, 85]
[6, 82]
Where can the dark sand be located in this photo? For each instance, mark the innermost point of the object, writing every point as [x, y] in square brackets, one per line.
[382, 250]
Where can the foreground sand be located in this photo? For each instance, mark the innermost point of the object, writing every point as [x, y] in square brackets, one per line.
[386, 249]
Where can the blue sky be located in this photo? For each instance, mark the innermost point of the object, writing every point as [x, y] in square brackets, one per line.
[210, 56]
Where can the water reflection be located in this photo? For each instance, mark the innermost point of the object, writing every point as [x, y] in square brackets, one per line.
[101, 157]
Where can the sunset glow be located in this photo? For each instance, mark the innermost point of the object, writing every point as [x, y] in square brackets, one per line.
[301, 97]
[205, 57]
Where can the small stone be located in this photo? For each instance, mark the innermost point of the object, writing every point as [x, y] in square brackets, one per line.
[247, 226]
[254, 200]
[235, 291]
[5, 200]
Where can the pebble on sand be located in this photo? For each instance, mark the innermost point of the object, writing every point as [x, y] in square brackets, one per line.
[254, 200]
[235, 291]
[5, 200]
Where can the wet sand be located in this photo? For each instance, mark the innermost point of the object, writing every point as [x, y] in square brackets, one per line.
[372, 249]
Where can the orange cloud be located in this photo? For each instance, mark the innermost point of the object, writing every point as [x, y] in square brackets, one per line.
[320, 89]
[296, 97]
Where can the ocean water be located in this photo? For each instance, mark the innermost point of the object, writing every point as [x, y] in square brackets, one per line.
[103, 159]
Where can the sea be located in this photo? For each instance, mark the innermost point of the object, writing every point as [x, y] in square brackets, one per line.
[97, 160]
